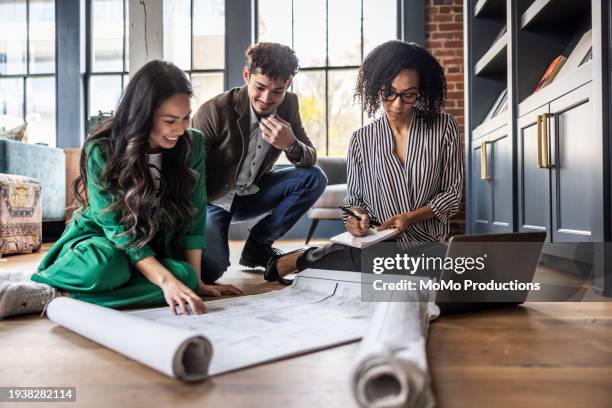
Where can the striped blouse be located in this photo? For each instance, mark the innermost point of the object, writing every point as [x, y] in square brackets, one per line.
[433, 174]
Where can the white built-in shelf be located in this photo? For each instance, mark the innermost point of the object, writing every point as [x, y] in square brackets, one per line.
[495, 59]
[490, 125]
[490, 8]
[559, 87]
[552, 13]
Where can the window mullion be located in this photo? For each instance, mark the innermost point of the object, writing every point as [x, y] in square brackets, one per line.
[292, 24]
[124, 42]
[326, 77]
[25, 96]
[88, 65]
[24, 107]
[27, 37]
[191, 36]
[361, 50]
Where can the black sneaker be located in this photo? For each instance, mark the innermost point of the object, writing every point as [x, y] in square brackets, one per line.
[255, 254]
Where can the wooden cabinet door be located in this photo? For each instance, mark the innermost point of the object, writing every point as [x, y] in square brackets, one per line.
[501, 180]
[573, 158]
[533, 181]
[492, 181]
[481, 208]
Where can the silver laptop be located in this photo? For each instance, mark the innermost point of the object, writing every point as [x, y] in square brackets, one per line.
[510, 257]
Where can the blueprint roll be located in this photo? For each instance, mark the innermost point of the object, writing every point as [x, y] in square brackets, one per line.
[391, 367]
[172, 351]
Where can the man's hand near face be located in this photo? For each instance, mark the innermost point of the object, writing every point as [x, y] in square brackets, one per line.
[277, 132]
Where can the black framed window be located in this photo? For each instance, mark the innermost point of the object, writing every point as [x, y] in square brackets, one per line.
[194, 40]
[27, 66]
[330, 38]
[107, 54]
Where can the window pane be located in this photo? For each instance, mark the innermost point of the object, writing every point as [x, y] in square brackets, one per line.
[344, 31]
[11, 97]
[177, 32]
[205, 86]
[310, 88]
[105, 91]
[107, 36]
[208, 34]
[379, 23]
[309, 32]
[40, 110]
[42, 36]
[13, 37]
[274, 21]
[344, 114]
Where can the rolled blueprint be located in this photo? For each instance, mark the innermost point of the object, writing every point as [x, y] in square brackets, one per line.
[391, 367]
[172, 351]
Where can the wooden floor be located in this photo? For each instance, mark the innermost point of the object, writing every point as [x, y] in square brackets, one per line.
[536, 355]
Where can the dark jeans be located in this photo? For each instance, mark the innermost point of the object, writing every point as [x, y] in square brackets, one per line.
[345, 258]
[286, 194]
[337, 257]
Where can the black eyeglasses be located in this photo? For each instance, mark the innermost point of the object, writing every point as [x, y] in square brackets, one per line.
[409, 98]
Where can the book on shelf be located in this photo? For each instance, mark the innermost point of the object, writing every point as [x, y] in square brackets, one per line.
[500, 105]
[501, 33]
[579, 54]
[587, 57]
[551, 72]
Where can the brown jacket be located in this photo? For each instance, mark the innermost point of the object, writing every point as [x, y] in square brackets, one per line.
[225, 122]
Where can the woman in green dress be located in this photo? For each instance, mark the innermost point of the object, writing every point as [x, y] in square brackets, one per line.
[137, 238]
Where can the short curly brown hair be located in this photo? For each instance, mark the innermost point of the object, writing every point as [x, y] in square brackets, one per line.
[273, 60]
[386, 61]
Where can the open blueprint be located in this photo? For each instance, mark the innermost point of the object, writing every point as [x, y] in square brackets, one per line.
[391, 369]
[321, 309]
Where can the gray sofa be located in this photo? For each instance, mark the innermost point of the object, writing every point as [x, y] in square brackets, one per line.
[46, 164]
[327, 206]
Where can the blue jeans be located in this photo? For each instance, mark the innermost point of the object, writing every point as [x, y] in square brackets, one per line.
[286, 194]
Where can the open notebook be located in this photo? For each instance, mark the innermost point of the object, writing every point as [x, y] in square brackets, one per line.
[373, 237]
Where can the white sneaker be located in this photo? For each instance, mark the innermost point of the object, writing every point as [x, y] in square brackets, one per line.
[21, 297]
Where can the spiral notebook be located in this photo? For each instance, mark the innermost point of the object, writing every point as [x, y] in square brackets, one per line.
[373, 237]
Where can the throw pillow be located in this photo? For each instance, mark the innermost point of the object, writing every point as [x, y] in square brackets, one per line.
[17, 134]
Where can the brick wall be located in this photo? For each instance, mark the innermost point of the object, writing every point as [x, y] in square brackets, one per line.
[444, 39]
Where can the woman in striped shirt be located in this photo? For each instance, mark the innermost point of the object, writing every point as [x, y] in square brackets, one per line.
[405, 169]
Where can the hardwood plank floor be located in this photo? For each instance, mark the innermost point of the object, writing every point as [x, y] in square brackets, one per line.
[536, 355]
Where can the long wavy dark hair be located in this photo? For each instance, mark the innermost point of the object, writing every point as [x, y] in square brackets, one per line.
[387, 60]
[124, 139]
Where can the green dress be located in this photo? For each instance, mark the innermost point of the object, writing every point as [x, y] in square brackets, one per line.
[92, 261]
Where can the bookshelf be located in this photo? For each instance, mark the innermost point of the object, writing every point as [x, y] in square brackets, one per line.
[548, 13]
[488, 8]
[564, 190]
[494, 60]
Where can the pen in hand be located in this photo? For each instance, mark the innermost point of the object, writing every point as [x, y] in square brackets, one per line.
[348, 211]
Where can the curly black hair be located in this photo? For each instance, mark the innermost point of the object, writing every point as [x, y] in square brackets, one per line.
[273, 60]
[383, 64]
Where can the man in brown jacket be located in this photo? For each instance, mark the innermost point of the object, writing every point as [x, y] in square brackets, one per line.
[245, 131]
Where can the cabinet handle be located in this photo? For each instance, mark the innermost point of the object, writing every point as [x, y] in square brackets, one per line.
[545, 148]
[539, 137]
[483, 161]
